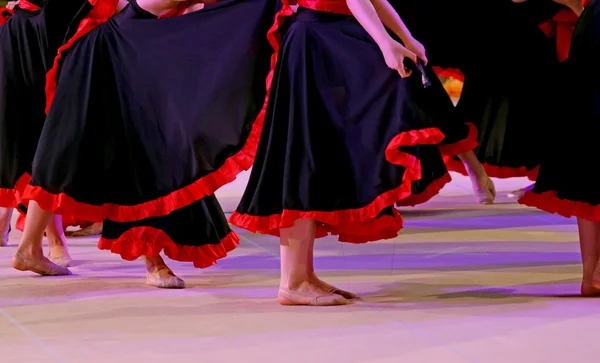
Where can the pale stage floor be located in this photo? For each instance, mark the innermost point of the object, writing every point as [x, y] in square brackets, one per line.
[462, 283]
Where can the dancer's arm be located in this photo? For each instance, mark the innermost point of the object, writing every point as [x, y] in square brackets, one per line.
[393, 52]
[392, 20]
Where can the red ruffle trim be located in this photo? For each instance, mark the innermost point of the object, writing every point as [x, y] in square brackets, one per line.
[5, 14]
[562, 26]
[102, 10]
[449, 72]
[149, 241]
[205, 186]
[328, 6]
[493, 171]
[358, 225]
[11, 198]
[431, 191]
[463, 146]
[549, 202]
[67, 221]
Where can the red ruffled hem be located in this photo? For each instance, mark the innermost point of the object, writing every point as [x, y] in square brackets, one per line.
[551, 203]
[11, 198]
[205, 186]
[337, 223]
[449, 72]
[493, 171]
[67, 221]
[148, 241]
[463, 146]
[358, 225]
[431, 191]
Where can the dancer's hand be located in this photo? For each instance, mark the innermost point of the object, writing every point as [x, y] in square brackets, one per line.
[417, 48]
[11, 5]
[394, 54]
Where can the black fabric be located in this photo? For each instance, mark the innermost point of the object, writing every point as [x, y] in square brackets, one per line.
[570, 169]
[145, 107]
[28, 43]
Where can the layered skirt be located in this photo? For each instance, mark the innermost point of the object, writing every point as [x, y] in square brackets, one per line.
[509, 81]
[566, 184]
[345, 137]
[149, 118]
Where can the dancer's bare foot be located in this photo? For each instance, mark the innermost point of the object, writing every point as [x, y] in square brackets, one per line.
[332, 289]
[308, 293]
[36, 262]
[516, 194]
[484, 189]
[59, 252]
[591, 284]
[158, 274]
[94, 229]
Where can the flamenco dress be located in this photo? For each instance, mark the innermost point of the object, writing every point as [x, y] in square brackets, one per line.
[29, 41]
[148, 118]
[566, 184]
[508, 85]
[345, 137]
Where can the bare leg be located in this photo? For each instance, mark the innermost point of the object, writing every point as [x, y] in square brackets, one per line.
[5, 217]
[589, 239]
[484, 188]
[29, 255]
[59, 251]
[158, 274]
[298, 285]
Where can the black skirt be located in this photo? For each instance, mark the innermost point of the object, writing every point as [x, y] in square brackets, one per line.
[566, 184]
[509, 66]
[345, 137]
[149, 118]
[28, 43]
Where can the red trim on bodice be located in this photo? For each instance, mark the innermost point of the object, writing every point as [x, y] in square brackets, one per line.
[26, 5]
[329, 6]
[561, 26]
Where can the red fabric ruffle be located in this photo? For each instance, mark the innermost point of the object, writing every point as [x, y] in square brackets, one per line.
[102, 11]
[328, 6]
[562, 26]
[501, 172]
[358, 225]
[149, 241]
[431, 191]
[205, 186]
[11, 198]
[5, 14]
[67, 221]
[28, 6]
[449, 72]
[551, 203]
[463, 146]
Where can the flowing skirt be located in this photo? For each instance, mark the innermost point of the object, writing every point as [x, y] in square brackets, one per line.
[567, 180]
[345, 137]
[149, 118]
